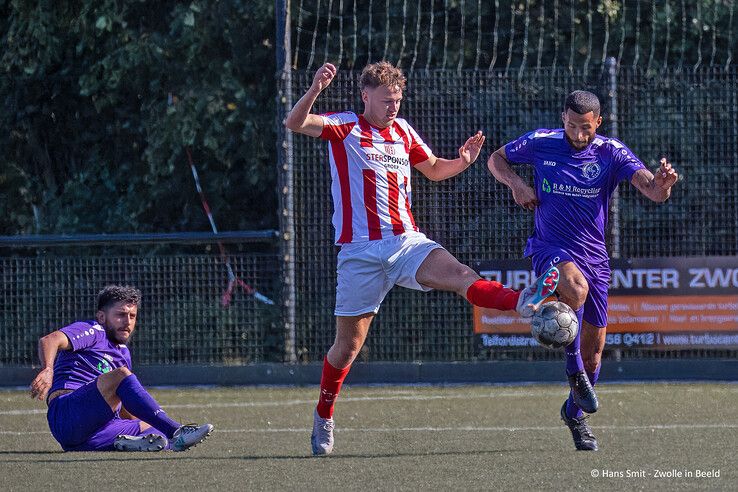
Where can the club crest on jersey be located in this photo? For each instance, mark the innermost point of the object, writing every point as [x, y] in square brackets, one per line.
[389, 149]
[591, 170]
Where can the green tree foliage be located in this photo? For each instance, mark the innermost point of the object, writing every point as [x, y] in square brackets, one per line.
[100, 97]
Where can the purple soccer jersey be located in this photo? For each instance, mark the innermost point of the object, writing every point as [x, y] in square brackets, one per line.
[573, 188]
[91, 354]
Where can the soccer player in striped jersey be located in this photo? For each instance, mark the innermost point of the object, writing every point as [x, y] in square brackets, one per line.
[576, 172]
[95, 402]
[371, 157]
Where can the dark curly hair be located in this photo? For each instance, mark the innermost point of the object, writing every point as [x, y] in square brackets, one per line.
[117, 293]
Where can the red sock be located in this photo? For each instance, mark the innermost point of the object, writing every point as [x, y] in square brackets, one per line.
[489, 294]
[330, 385]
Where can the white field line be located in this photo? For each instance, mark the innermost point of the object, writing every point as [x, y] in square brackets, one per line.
[348, 399]
[466, 428]
[557, 428]
[552, 392]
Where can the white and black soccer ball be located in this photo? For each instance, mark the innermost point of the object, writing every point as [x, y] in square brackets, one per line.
[554, 325]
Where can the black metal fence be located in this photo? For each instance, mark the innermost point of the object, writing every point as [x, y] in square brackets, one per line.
[690, 116]
[181, 318]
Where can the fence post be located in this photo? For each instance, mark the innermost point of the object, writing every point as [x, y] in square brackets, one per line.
[286, 178]
[612, 92]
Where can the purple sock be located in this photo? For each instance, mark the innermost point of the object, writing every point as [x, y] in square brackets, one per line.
[572, 410]
[574, 364]
[141, 404]
[594, 376]
[573, 355]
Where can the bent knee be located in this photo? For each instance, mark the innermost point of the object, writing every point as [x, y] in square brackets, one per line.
[348, 349]
[115, 376]
[344, 353]
[574, 293]
[108, 383]
[122, 372]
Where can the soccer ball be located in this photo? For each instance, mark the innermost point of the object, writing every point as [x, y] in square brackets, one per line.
[554, 325]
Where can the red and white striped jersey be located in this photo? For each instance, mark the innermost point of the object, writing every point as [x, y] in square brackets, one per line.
[370, 170]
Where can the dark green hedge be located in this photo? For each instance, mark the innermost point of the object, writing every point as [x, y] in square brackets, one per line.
[99, 99]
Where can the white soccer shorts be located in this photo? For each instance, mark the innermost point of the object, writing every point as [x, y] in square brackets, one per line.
[368, 270]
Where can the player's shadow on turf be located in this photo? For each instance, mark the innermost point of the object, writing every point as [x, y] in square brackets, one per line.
[116, 456]
[33, 452]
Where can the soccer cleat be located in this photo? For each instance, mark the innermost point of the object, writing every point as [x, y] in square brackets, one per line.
[584, 440]
[322, 438]
[533, 296]
[583, 392]
[190, 435]
[149, 442]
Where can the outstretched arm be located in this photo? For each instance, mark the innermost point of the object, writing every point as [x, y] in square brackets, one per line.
[48, 347]
[500, 168]
[438, 169]
[656, 188]
[299, 119]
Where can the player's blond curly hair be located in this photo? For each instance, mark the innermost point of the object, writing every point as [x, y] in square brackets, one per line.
[382, 74]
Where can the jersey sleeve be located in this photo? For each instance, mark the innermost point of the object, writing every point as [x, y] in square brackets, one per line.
[83, 334]
[624, 161]
[337, 126]
[418, 151]
[127, 357]
[521, 150]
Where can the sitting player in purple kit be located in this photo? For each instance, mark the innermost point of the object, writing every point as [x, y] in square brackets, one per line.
[95, 402]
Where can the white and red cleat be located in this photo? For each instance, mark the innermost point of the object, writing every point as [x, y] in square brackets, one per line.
[322, 438]
[533, 296]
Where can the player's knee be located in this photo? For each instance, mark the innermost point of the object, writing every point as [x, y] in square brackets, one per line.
[574, 293]
[442, 271]
[108, 383]
[122, 372]
[347, 350]
[352, 348]
[117, 375]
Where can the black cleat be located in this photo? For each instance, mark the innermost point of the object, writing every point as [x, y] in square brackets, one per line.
[584, 440]
[583, 393]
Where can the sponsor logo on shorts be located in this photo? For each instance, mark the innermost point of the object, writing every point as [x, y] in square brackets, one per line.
[549, 163]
